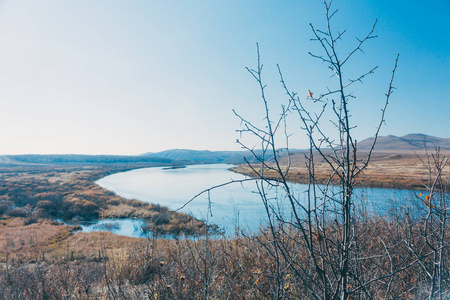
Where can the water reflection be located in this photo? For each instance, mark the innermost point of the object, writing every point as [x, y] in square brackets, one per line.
[128, 227]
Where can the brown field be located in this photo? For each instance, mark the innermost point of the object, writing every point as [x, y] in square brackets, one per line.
[388, 169]
[52, 241]
[106, 266]
[26, 243]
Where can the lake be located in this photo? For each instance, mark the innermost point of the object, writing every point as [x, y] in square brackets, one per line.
[235, 206]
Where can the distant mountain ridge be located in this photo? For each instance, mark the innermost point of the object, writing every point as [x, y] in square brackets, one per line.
[413, 141]
[409, 142]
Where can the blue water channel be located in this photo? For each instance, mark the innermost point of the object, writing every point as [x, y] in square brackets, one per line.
[232, 207]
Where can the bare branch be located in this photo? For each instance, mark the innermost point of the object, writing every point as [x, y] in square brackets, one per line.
[361, 42]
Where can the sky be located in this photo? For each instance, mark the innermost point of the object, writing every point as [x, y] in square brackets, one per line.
[129, 77]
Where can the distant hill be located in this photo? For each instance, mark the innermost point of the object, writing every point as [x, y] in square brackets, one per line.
[206, 156]
[414, 141]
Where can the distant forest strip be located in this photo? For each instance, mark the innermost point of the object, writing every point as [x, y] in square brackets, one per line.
[85, 159]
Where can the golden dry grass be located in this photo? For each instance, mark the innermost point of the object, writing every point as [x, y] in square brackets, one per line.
[388, 169]
[106, 266]
[27, 242]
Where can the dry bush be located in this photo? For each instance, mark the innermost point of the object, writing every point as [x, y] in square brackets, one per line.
[211, 268]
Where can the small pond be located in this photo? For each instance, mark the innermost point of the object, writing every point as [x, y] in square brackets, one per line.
[128, 227]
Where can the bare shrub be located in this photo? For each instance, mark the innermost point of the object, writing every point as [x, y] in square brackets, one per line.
[322, 241]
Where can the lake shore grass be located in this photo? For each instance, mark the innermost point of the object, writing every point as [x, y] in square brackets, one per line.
[36, 193]
[387, 169]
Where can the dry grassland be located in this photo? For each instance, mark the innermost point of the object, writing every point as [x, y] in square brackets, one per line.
[388, 169]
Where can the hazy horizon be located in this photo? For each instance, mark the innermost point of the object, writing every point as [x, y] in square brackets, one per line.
[190, 149]
[126, 78]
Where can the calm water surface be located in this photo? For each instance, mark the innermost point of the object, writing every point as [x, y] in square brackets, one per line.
[231, 207]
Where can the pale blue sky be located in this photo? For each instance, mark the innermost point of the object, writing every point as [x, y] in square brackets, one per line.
[127, 77]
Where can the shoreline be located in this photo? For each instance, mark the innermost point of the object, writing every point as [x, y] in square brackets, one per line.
[70, 193]
[404, 170]
[382, 182]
